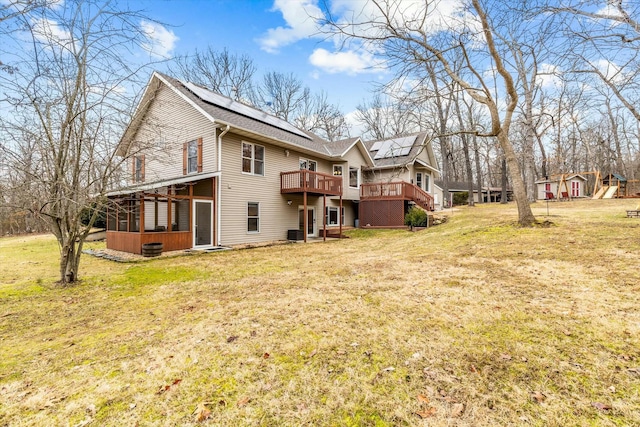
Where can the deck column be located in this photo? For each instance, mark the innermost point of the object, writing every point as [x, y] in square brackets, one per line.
[304, 215]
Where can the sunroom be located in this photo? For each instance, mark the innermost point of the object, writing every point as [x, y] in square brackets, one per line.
[179, 213]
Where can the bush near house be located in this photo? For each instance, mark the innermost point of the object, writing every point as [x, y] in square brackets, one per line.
[416, 217]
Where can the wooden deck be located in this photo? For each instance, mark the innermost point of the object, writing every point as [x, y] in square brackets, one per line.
[397, 191]
[305, 181]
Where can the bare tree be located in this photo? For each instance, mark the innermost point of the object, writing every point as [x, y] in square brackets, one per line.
[68, 98]
[318, 115]
[283, 95]
[222, 72]
[404, 32]
[385, 116]
[606, 45]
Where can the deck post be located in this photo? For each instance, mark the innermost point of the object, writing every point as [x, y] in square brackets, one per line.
[340, 217]
[324, 218]
[304, 215]
[141, 220]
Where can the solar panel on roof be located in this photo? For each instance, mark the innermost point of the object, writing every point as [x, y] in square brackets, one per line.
[394, 147]
[376, 145]
[245, 110]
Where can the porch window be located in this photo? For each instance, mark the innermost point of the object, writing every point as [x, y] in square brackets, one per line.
[354, 177]
[252, 158]
[253, 217]
[331, 214]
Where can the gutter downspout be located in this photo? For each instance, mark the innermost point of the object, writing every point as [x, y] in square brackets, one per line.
[219, 186]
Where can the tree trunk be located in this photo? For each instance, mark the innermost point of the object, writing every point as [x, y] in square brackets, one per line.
[478, 168]
[525, 215]
[70, 252]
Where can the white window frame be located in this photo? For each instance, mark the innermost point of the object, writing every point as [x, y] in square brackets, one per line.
[138, 162]
[253, 217]
[193, 143]
[335, 168]
[327, 215]
[252, 159]
[307, 163]
[420, 182]
[357, 177]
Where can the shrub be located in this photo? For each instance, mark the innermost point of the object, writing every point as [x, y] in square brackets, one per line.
[461, 198]
[416, 217]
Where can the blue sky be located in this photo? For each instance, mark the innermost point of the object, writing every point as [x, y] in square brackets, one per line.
[277, 34]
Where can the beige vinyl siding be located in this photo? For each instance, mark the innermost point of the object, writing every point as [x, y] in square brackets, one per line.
[238, 189]
[172, 120]
[353, 158]
[276, 215]
[390, 175]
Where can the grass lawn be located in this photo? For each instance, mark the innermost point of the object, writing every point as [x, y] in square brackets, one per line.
[475, 322]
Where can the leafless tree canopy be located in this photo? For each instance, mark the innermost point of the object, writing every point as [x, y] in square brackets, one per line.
[68, 94]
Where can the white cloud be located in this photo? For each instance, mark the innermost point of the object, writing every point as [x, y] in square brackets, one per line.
[549, 75]
[610, 71]
[300, 17]
[47, 30]
[348, 62]
[161, 41]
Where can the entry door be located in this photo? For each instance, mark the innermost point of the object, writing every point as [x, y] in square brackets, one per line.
[311, 221]
[575, 189]
[202, 223]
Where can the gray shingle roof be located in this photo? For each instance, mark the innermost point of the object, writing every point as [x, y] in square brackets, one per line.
[228, 116]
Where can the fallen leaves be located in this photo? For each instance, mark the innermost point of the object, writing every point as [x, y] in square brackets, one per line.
[243, 402]
[422, 398]
[457, 410]
[538, 396]
[429, 412]
[167, 387]
[601, 406]
[202, 412]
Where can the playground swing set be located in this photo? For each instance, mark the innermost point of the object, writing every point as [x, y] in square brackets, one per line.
[605, 187]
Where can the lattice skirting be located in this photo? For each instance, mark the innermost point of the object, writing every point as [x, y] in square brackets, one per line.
[382, 213]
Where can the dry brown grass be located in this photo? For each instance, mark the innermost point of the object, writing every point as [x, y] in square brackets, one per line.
[472, 323]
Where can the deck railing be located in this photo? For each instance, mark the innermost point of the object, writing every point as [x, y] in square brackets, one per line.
[399, 190]
[309, 181]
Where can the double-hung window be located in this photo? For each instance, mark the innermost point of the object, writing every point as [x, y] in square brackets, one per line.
[419, 181]
[332, 215]
[253, 217]
[192, 156]
[354, 177]
[337, 170]
[138, 168]
[252, 158]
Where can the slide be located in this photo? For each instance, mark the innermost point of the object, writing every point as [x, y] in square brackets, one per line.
[610, 192]
[599, 193]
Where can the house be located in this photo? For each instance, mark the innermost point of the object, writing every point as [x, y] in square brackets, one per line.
[403, 175]
[488, 194]
[562, 186]
[208, 171]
